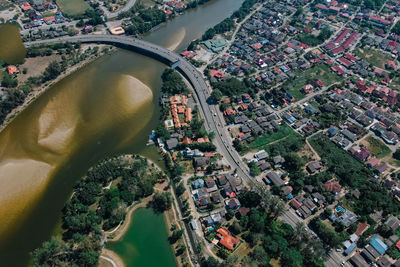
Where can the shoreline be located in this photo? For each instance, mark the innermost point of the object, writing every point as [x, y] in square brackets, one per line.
[112, 258]
[38, 91]
[117, 233]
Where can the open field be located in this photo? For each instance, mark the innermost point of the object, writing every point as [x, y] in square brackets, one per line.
[374, 57]
[321, 72]
[377, 147]
[284, 131]
[73, 7]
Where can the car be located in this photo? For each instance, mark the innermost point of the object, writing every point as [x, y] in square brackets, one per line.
[338, 250]
[342, 264]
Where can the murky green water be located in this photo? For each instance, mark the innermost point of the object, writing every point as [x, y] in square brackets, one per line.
[146, 241]
[12, 50]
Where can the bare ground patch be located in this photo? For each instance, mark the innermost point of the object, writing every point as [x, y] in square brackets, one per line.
[35, 66]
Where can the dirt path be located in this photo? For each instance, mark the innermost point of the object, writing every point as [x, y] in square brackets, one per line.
[112, 257]
[118, 232]
[313, 151]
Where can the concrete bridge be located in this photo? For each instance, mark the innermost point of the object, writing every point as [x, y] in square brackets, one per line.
[160, 53]
[209, 113]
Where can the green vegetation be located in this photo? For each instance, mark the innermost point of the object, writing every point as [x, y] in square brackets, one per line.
[355, 175]
[244, 10]
[269, 238]
[162, 201]
[321, 72]
[143, 19]
[9, 81]
[373, 57]
[283, 132]
[13, 100]
[377, 147]
[94, 206]
[232, 87]
[396, 28]
[327, 235]
[224, 26]
[73, 7]
[311, 40]
[173, 83]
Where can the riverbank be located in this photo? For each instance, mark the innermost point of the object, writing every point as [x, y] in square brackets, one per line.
[110, 258]
[117, 233]
[37, 92]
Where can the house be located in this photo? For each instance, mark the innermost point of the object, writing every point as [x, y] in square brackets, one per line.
[210, 184]
[274, 179]
[199, 183]
[314, 166]
[332, 131]
[362, 154]
[349, 135]
[393, 223]
[201, 163]
[222, 179]
[215, 197]
[278, 160]
[226, 239]
[261, 155]
[172, 143]
[358, 261]
[378, 244]
[233, 203]
[243, 211]
[12, 70]
[332, 186]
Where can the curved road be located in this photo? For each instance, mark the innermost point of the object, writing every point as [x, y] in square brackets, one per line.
[111, 15]
[210, 113]
[201, 90]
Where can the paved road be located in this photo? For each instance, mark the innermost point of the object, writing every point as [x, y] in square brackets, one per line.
[44, 26]
[210, 113]
[111, 15]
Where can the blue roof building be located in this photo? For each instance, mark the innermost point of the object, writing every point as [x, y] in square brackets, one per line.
[378, 244]
[332, 131]
[199, 183]
[350, 249]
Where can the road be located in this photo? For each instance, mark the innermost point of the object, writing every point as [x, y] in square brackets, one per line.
[111, 15]
[44, 26]
[212, 121]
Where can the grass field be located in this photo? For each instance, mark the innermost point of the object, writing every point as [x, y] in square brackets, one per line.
[321, 72]
[377, 147]
[73, 7]
[284, 131]
[373, 57]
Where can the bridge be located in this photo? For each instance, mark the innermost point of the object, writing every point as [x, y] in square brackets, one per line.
[160, 53]
[209, 113]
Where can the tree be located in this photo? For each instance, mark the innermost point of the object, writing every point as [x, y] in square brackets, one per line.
[249, 199]
[229, 215]
[216, 95]
[293, 162]
[396, 154]
[52, 71]
[9, 81]
[292, 258]
[180, 189]
[176, 235]
[51, 253]
[162, 201]
[260, 256]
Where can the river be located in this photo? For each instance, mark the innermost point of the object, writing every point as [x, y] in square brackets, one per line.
[95, 112]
